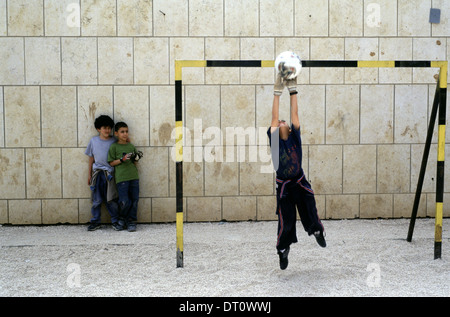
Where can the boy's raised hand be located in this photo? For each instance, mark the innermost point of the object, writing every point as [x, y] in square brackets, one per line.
[278, 86]
[292, 85]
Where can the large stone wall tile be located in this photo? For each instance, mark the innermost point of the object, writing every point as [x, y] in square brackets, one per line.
[170, 17]
[61, 17]
[12, 170]
[151, 61]
[376, 205]
[115, 61]
[311, 104]
[325, 168]
[221, 178]
[163, 209]
[240, 208]
[12, 61]
[22, 116]
[377, 114]
[346, 17]
[204, 209]
[43, 173]
[59, 116]
[202, 115]
[84, 210]
[162, 115]
[43, 61]
[266, 207]
[393, 168]
[206, 18]
[3, 18]
[342, 207]
[153, 172]
[276, 17]
[413, 17]
[144, 211]
[25, 212]
[380, 18]
[59, 211]
[411, 103]
[131, 105]
[311, 18]
[79, 61]
[134, 18]
[360, 162]
[252, 181]
[98, 18]
[93, 101]
[442, 28]
[403, 205]
[75, 172]
[237, 112]
[3, 211]
[396, 48]
[241, 17]
[342, 114]
[26, 18]
[193, 178]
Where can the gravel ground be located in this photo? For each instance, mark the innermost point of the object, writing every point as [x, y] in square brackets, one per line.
[363, 258]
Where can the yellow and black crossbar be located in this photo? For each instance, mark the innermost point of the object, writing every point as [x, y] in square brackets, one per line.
[440, 99]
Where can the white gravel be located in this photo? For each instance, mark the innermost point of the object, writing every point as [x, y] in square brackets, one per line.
[363, 258]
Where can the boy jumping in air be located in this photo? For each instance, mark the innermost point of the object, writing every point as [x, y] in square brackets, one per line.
[293, 190]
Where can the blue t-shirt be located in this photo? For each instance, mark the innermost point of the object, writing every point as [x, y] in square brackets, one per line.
[290, 154]
[98, 149]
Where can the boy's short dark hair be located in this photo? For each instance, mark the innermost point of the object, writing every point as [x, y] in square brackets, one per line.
[120, 125]
[103, 121]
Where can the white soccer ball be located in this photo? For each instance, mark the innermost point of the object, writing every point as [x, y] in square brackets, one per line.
[288, 64]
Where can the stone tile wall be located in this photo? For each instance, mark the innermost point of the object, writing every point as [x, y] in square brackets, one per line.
[64, 62]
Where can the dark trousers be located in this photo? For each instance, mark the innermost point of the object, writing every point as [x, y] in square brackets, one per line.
[99, 195]
[128, 200]
[291, 195]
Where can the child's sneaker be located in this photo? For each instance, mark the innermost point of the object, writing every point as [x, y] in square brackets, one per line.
[131, 227]
[320, 238]
[284, 258]
[93, 226]
[116, 226]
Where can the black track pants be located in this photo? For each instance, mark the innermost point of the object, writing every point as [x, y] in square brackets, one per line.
[291, 195]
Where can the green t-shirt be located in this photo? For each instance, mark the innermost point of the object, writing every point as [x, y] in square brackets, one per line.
[125, 171]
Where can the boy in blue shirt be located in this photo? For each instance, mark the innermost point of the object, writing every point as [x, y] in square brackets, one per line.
[101, 179]
[293, 190]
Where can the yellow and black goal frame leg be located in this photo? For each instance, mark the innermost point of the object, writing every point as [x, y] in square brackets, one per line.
[440, 99]
[440, 161]
[439, 109]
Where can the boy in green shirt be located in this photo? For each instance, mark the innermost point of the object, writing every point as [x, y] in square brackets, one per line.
[123, 156]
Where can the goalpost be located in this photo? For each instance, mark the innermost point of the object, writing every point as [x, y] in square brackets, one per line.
[439, 102]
